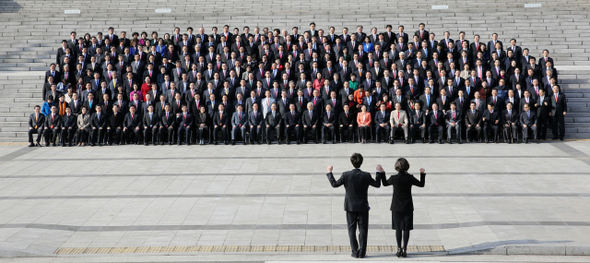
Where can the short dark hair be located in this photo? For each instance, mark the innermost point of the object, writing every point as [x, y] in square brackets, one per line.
[356, 159]
[402, 165]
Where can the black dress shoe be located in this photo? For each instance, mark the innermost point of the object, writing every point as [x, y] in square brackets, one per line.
[398, 253]
[233, 143]
[404, 253]
[31, 145]
[354, 255]
[536, 141]
[288, 142]
[431, 141]
[298, 142]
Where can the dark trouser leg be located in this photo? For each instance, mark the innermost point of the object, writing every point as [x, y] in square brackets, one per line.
[363, 222]
[94, 136]
[287, 131]
[155, 135]
[398, 237]
[147, 132]
[137, 134]
[255, 134]
[46, 134]
[171, 134]
[55, 133]
[181, 131]
[352, 220]
[559, 126]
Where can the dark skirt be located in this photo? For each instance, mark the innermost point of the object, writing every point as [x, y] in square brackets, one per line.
[402, 220]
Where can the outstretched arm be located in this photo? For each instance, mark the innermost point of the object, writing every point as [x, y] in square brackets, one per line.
[381, 176]
[330, 176]
[422, 181]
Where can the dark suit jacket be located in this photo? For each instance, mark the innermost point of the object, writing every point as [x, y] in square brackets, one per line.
[472, 119]
[559, 106]
[346, 120]
[270, 121]
[292, 119]
[510, 119]
[116, 121]
[311, 121]
[95, 122]
[56, 122]
[491, 117]
[417, 119]
[528, 121]
[170, 121]
[154, 122]
[439, 120]
[39, 122]
[402, 190]
[356, 183]
[221, 120]
[182, 122]
[332, 120]
[131, 123]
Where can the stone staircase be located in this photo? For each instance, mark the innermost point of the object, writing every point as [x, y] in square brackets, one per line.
[32, 30]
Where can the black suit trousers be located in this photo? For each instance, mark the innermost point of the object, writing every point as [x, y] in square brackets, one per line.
[360, 220]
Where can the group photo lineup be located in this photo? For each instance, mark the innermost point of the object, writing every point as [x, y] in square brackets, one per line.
[267, 85]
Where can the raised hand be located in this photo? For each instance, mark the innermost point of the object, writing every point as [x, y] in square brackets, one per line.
[379, 168]
[330, 168]
[422, 170]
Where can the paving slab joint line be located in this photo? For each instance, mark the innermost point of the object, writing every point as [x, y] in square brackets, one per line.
[513, 250]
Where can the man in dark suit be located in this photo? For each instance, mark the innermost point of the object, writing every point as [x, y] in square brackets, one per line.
[292, 123]
[98, 122]
[453, 120]
[168, 124]
[36, 123]
[356, 205]
[329, 120]
[558, 112]
[491, 121]
[417, 119]
[256, 123]
[473, 121]
[151, 124]
[382, 123]
[132, 125]
[346, 122]
[543, 106]
[185, 121]
[52, 126]
[68, 128]
[220, 123]
[510, 123]
[528, 123]
[239, 121]
[310, 122]
[437, 121]
[273, 123]
[115, 126]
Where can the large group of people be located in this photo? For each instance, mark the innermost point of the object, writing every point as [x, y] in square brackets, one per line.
[263, 85]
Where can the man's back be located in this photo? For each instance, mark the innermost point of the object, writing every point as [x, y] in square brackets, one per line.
[356, 183]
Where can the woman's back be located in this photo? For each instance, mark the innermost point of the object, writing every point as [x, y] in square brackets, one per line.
[402, 190]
